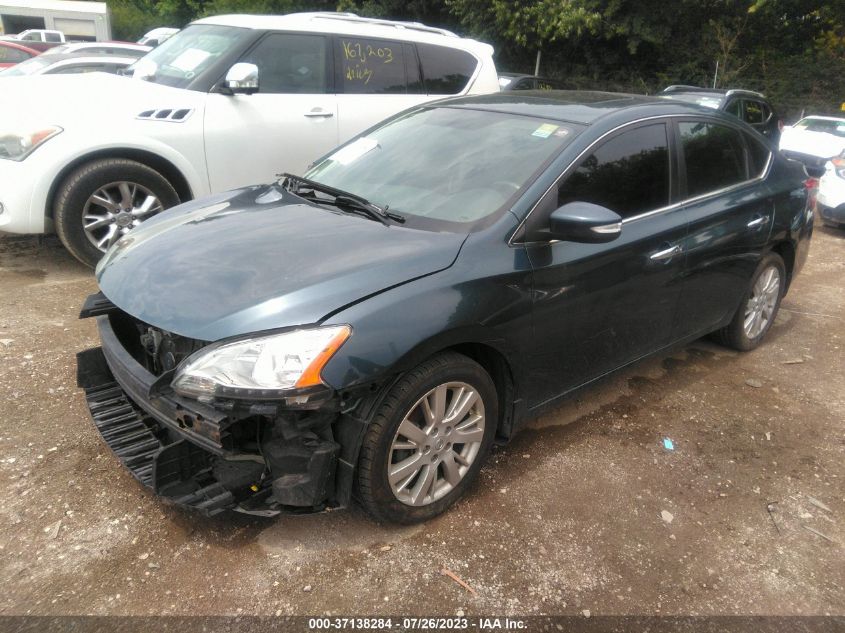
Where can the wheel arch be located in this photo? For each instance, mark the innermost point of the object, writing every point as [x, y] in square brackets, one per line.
[162, 165]
[786, 251]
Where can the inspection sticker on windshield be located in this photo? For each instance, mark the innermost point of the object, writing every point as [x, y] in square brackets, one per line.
[545, 130]
[354, 150]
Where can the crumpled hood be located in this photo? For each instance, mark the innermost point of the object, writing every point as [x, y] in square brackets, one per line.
[72, 101]
[820, 144]
[260, 258]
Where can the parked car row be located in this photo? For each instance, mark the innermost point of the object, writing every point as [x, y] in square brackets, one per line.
[429, 261]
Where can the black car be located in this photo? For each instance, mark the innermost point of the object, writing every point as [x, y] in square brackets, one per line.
[752, 107]
[371, 329]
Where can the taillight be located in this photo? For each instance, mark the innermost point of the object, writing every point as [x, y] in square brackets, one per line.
[812, 187]
[839, 166]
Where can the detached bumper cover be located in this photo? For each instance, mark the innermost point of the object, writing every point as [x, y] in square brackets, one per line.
[181, 465]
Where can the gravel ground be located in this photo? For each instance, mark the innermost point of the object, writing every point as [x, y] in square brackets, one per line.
[586, 510]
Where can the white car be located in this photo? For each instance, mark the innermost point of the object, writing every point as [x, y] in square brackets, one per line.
[66, 64]
[125, 49]
[227, 102]
[830, 199]
[814, 140]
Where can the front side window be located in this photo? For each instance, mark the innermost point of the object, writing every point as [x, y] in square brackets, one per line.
[290, 63]
[53, 37]
[369, 66]
[714, 156]
[446, 168]
[446, 71]
[629, 174]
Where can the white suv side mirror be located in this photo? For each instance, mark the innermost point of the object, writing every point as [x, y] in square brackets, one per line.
[242, 78]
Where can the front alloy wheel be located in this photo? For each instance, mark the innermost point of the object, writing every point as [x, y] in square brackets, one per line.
[116, 208]
[427, 440]
[436, 443]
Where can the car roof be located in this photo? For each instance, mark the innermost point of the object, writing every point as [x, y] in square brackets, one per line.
[574, 106]
[20, 47]
[819, 117]
[75, 58]
[351, 24]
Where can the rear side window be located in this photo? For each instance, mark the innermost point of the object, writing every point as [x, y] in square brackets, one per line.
[53, 37]
[714, 156]
[758, 155]
[735, 108]
[446, 71]
[290, 63]
[755, 113]
[369, 66]
[629, 174]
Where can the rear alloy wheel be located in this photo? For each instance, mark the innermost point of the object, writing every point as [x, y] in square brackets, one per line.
[103, 200]
[428, 440]
[759, 306]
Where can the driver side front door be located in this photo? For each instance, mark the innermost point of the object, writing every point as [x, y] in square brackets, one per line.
[287, 124]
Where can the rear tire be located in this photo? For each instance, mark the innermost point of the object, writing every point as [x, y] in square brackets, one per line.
[758, 308]
[413, 464]
[103, 200]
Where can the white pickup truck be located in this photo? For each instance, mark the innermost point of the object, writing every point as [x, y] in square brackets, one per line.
[228, 101]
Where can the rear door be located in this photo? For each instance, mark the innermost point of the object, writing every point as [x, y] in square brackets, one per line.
[600, 306]
[288, 123]
[730, 210]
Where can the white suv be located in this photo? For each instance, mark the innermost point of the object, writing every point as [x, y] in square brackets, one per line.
[227, 102]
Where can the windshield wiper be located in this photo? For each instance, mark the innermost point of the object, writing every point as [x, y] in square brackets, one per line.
[341, 199]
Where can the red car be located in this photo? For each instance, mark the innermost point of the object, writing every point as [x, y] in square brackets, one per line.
[12, 53]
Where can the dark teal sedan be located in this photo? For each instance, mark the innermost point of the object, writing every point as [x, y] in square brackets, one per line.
[369, 329]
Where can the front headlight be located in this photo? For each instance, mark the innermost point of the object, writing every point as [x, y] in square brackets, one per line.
[260, 368]
[19, 145]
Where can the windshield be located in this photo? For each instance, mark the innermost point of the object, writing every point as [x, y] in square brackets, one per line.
[29, 67]
[188, 53]
[445, 168]
[831, 126]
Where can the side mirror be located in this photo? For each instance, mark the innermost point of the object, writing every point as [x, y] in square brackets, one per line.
[242, 78]
[584, 222]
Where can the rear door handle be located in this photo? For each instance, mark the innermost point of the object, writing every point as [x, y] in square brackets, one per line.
[667, 253]
[317, 112]
[758, 221]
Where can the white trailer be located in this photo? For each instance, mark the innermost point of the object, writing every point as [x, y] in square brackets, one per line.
[78, 20]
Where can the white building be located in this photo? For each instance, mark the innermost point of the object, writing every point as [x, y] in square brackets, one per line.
[77, 20]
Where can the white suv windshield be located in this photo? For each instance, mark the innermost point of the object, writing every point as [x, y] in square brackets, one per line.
[180, 59]
[446, 168]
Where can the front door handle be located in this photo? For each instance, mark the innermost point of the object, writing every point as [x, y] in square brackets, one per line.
[318, 112]
[667, 253]
[758, 221]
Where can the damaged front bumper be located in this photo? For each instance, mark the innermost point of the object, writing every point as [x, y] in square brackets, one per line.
[255, 458]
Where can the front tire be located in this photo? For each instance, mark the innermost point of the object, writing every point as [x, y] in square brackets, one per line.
[758, 308]
[103, 200]
[428, 440]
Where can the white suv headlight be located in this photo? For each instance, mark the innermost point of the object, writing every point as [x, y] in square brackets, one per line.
[264, 367]
[19, 145]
